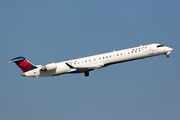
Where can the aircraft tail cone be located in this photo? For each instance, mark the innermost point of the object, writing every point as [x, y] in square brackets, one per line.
[23, 74]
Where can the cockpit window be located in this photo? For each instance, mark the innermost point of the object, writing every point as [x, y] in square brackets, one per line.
[160, 45]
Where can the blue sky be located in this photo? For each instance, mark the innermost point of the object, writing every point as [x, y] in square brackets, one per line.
[54, 31]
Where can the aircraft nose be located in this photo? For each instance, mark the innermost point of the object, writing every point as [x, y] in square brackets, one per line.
[23, 74]
[169, 49]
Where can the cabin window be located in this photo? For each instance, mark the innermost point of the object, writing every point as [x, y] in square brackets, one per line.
[89, 60]
[131, 51]
[85, 60]
[106, 56]
[99, 58]
[103, 57]
[117, 55]
[128, 52]
[109, 56]
[94, 59]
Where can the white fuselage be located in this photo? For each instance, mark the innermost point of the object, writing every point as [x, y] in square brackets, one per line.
[102, 60]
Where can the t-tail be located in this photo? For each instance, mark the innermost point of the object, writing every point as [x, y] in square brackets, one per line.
[23, 64]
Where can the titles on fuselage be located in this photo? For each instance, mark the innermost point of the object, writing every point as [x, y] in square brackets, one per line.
[140, 48]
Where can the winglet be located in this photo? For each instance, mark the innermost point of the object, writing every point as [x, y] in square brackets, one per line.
[70, 66]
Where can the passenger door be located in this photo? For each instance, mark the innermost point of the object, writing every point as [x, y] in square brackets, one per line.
[152, 51]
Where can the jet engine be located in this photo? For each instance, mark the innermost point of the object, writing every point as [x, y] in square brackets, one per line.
[48, 67]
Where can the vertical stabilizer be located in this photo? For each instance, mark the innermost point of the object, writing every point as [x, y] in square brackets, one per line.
[23, 64]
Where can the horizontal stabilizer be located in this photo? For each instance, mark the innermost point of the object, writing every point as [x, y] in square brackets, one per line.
[17, 59]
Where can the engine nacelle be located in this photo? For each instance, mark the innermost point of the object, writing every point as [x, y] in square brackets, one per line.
[48, 67]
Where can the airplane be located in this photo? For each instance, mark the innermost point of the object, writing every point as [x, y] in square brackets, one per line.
[86, 64]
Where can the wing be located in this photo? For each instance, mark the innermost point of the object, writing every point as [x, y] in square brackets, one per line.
[88, 68]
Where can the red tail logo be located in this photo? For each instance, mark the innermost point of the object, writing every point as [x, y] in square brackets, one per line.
[23, 64]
